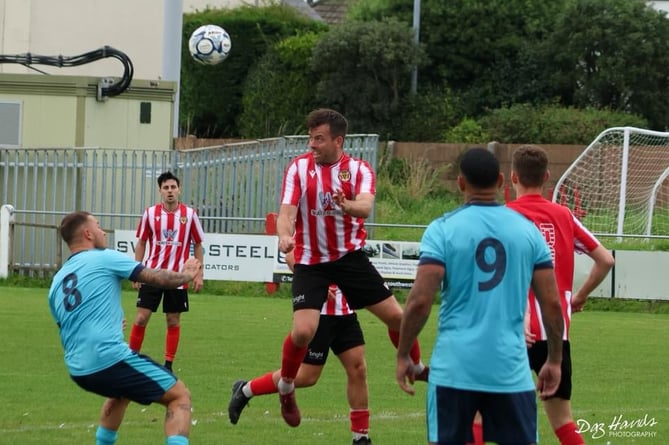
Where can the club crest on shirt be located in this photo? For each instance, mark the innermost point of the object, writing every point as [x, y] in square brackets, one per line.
[183, 220]
[344, 175]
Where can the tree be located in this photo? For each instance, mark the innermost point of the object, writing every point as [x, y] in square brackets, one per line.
[211, 96]
[280, 89]
[364, 71]
[613, 54]
[466, 38]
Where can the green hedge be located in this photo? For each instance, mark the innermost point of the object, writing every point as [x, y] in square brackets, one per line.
[552, 124]
[211, 96]
[280, 90]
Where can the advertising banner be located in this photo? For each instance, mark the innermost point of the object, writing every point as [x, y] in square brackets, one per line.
[226, 257]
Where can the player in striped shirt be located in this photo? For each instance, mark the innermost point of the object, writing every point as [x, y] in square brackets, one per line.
[565, 234]
[339, 330]
[325, 198]
[169, 228]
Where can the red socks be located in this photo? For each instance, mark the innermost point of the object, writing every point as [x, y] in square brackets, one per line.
[477, 431]
[568, 434]
[415, 348]
[359, 421]
[172, 342]
[263, 385]
[136, 337]
[292, 358]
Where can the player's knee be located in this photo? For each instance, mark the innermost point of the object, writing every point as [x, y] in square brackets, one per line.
[309, 380]
[303, 334]
[173, 319]
[358, 371]
[142, 319]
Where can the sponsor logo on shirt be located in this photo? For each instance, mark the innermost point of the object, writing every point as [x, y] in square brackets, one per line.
[170, 234]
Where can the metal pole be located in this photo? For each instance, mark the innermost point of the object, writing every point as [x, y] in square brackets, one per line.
[416, 39]
[171, 63]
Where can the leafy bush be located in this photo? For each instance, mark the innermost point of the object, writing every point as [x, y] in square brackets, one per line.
[211, 96]
[363, 71]
[552, 124]
[409, 180]
[424, 116]
[280, 90]
[468, 131]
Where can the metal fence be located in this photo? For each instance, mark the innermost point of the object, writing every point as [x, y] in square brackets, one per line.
[233, 186]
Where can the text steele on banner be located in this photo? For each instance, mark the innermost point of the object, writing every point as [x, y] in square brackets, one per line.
[229, 257]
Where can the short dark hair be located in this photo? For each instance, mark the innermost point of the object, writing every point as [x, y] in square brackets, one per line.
[336, 121]
[530, 162]
[479, 167]
[71, 223]
[166, 177]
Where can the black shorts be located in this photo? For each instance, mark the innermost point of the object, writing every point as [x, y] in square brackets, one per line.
[508, 418]
[175, 300]
[538, 354]
[355, 275]
[337, 332]
[137, 378]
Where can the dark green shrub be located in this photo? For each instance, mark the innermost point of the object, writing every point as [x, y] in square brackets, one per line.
[211, 96]
[552, 124]
[280, 90]
[468, 131]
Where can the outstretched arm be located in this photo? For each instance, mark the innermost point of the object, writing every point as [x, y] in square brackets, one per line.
[140, 249]
[603, 264]
[198, 282]
[168, 279]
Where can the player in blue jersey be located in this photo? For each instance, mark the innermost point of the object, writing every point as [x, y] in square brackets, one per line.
[85, 301]
[482, 258]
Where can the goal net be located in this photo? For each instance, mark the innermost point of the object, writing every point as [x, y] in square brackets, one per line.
[619, 185]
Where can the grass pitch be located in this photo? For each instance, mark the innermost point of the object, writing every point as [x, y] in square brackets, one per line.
[621, 395]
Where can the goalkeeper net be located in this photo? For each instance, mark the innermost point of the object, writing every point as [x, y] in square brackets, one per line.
[619, 185]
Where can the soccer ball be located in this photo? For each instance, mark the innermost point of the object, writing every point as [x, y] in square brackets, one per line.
[209, 44]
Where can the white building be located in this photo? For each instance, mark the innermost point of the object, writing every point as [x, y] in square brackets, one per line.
[73, 27]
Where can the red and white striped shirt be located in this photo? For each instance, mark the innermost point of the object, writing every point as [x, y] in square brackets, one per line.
[564, 235]
[337, 305]
[169, 236]
[323, 233]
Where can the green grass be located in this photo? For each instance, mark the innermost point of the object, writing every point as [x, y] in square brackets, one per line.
[620, 361]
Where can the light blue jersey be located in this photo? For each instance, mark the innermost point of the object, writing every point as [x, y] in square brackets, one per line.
[85, 301]
[490, 253]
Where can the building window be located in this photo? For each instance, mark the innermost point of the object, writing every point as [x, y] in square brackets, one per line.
[145, 112]
[10, 123]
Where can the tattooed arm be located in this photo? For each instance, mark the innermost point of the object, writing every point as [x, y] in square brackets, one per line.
[168, 279]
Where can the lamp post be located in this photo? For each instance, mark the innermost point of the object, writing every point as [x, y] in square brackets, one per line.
[416, 39]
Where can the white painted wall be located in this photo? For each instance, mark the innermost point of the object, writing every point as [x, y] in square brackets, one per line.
[73, 27]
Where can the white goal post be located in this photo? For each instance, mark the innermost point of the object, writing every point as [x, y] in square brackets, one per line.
[619, 185]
